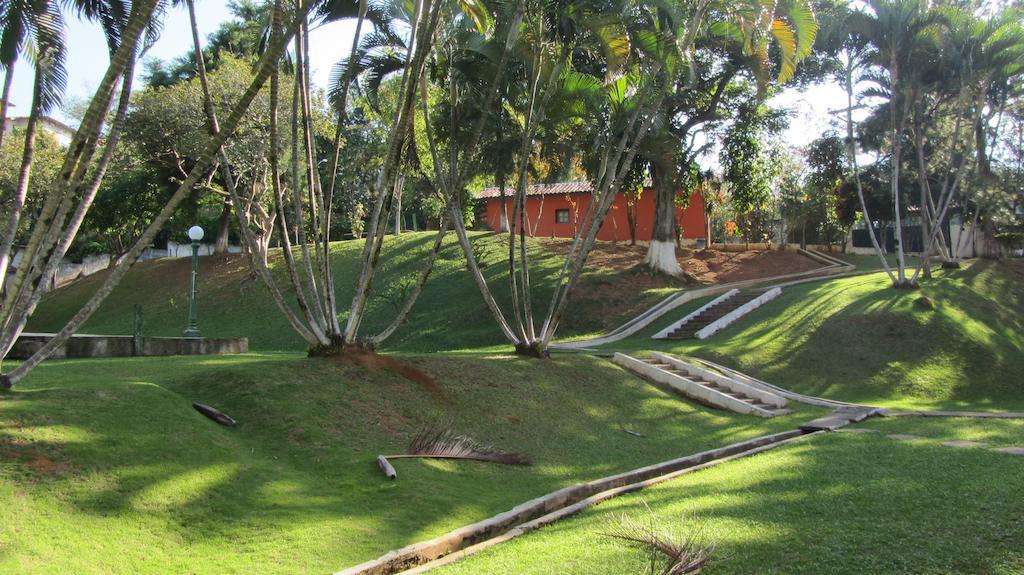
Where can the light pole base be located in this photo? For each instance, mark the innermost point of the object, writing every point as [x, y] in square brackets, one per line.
[192, 332]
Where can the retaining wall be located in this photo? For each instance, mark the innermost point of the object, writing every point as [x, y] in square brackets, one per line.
[86, 346]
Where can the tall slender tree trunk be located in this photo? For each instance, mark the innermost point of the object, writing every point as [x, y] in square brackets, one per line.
[851, 149]
[220, 245]
[398, 206]
[896, 135]
[5, 93]
[924, 193]
[268, 62]
[24, 176]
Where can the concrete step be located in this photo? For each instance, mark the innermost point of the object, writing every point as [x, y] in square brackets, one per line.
[710, 315]
[704, 386]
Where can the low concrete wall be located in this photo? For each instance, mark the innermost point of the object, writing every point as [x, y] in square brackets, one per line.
[774, 247]
[85, 346]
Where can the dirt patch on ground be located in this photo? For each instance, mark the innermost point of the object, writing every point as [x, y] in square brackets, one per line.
[715, 267]
[708, 266]
[616, 286]
[43, 465]
[38, 462]
[371, 360]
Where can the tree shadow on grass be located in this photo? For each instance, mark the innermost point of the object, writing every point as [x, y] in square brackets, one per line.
[879, 345]
[829, 504]
[299, 472]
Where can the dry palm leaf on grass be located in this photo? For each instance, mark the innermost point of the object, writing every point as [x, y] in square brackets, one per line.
[443, 443]
[670, 551]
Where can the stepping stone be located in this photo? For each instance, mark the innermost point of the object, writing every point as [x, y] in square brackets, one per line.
[830, 422]
[1011, 450]
[962, 443]
[857, 430]
[903, 436]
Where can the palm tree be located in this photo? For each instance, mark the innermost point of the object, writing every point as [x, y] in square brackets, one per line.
[41, 26]
[895, 30]
[983, 56]
[83, 145]
[66, 203]
[372, 58]
[637, 53]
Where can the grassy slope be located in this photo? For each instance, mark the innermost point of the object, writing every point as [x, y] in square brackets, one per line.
[282, 494]
[105, 468]
[857, 339]
[837, 503]
[450, 313]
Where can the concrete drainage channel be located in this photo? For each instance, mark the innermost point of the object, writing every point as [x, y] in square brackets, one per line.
[544, 510]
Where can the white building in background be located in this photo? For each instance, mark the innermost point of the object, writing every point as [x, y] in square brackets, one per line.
[58, 129]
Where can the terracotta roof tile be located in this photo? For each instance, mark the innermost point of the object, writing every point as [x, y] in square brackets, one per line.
[540, 189]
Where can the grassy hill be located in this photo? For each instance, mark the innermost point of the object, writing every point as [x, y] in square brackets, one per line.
[450, 313]
[839, 503]
[857, 339]
[106, 468]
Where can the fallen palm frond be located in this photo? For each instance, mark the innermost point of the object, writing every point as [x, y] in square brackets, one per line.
[443, 443]
[676, 551]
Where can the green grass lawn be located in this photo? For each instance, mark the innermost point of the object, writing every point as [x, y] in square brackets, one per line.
[857, 339]
[835, 503]
[449, 315]
[106, 468]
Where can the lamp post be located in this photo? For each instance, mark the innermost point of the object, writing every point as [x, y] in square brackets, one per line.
[195, 233]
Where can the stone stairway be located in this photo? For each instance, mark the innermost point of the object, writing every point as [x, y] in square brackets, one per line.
[704, 386]
[717, 314]
[689, 329]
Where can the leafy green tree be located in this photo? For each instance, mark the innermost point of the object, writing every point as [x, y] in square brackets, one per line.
[68, 202]
[711, 88]
[751, 166]
[46, 166]
[240, 38]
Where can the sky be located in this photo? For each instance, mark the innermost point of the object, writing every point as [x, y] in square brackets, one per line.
[88, 58]
[87, 61]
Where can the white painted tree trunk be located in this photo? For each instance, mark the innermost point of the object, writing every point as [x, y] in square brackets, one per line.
[661, 257]
[661, 254]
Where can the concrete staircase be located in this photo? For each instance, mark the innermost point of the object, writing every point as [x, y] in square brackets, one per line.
[717, 314]
[704, 386]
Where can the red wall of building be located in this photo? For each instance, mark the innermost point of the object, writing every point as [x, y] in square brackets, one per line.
[540, 216]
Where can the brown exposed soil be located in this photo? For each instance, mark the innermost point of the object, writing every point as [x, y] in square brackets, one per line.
[43, 465]
[371, 360]
[616, 285]
[707, 266]
[39, 463]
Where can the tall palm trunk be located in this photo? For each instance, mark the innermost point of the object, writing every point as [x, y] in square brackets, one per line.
[851, 150]
[896, 136]
[618, 164]
[52, 233]
[5, 93]
[268, 63]
[426, 18]
[24, 175]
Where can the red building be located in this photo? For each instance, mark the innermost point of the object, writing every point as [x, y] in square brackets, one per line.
[557, 210]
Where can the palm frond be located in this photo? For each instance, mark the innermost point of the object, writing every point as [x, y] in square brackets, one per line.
[49, 56]
[680, 552]
[443, 443]
[14, 25]
[786, 40]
